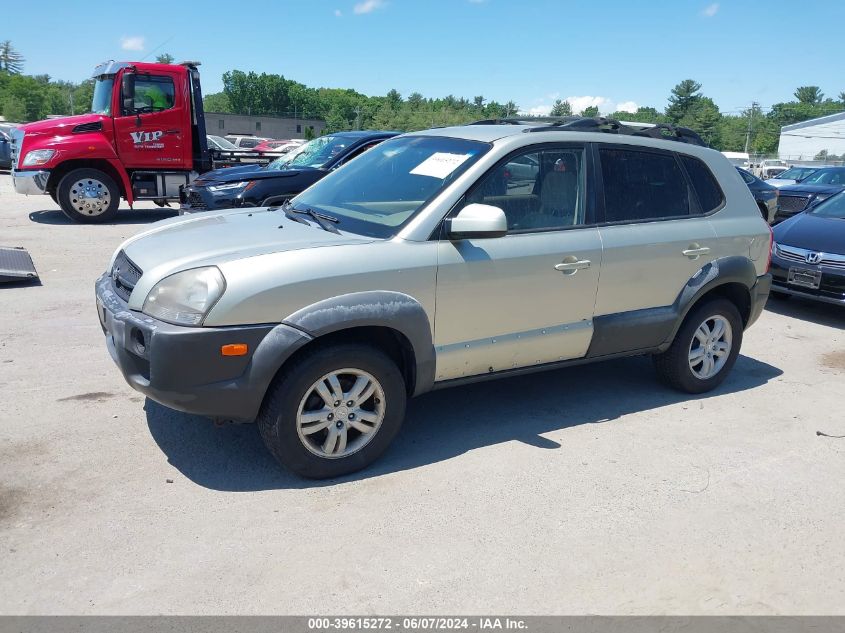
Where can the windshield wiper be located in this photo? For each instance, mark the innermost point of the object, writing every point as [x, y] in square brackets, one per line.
[322, 219]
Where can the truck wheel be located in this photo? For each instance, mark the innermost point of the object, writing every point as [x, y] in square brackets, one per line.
[88, 195]
[333, 411]
[704, 350]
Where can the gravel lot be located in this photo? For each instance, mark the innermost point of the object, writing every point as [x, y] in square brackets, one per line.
[586, 490]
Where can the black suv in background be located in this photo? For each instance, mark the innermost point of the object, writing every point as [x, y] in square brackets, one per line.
[285, 177]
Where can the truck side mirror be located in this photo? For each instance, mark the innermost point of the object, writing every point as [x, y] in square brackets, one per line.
[127, 92]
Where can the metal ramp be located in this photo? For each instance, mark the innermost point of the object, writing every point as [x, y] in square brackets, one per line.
[16, 265]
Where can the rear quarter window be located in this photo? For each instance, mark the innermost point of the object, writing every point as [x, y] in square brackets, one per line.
[710, 195]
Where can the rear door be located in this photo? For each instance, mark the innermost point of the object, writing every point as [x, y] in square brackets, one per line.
[656, 234]
[155, 132]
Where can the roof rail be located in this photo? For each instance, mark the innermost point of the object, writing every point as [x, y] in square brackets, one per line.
[527, 121]
[662, 131]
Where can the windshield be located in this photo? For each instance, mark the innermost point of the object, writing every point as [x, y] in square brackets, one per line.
[387, 185]
[826, 177]
[101, 103]
[833, 207]
[221, 143]
[796, 173]
[314, 153]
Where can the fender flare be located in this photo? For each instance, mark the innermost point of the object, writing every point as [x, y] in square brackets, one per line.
[725, 270]
[375, 308]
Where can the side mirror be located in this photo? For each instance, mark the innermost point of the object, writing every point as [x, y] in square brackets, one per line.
[127, 92]
[477, 221]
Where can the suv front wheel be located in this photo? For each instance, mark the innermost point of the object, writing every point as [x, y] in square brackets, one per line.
[333, 411]
[704, 350]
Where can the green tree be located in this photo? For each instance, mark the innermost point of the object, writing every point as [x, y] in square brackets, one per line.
[809, 94]
[561, 108]
[217, 102]
[590, 111]
[841, 98]
[684, 97]
[165, 58]
[11, 61]
[14, 109]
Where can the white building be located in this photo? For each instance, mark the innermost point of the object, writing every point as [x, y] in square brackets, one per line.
[804, 141]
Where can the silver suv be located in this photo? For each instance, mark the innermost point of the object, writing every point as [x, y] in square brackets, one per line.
[435, 259]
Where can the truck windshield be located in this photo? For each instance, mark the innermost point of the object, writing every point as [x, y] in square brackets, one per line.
[384, 187]
[101, 104]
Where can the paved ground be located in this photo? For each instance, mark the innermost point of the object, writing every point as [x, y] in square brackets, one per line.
[588, 490]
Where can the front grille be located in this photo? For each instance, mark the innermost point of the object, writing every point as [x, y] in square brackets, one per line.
[196, 201]
[794, 254]
[17, 142]
[124, 276]
[790, 205]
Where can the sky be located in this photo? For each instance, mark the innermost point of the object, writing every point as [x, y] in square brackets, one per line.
[617, 54]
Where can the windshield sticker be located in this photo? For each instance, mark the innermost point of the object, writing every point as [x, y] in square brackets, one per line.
[440, 165]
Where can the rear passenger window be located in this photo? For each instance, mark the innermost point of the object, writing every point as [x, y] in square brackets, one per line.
[642, 186]
[709, 194]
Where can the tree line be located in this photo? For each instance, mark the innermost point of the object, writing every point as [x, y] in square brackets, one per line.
[31, 98]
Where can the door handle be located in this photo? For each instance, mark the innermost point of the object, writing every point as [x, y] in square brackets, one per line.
[569, 267]
[694, 251]
[171, 131]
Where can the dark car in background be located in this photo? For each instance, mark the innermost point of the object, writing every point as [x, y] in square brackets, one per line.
[285, 177]
[765, 194]
[808, 253]
[5, 148]
[815, 188]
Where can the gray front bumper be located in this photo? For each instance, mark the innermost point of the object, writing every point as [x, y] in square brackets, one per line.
[31, 183]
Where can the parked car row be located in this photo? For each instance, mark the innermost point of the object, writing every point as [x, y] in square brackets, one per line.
[6, 146]
[282, 179]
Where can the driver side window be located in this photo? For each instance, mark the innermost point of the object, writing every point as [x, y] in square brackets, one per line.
[537, 190]
[153, 93]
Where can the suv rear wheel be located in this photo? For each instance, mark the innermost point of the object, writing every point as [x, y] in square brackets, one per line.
[704, 350]
[333, 411]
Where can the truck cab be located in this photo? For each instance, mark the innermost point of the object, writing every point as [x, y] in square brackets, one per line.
[143, 139]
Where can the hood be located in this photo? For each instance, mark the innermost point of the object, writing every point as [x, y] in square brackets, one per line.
[213, 238]
[62, 125]
[812, 232]
[809, 189]
[248, 172]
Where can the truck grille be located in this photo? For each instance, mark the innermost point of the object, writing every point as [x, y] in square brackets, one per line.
[124, 276]
[790, 205]
[14, 147]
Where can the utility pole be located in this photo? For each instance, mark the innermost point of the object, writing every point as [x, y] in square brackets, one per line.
[754, 106]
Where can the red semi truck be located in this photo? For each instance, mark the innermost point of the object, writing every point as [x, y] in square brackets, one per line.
[144, 138]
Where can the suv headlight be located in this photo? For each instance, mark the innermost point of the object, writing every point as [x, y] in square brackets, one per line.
[229, 186]
[185, 298]
[38, 157]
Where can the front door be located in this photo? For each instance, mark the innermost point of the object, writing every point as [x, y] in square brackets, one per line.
[152, 134]
[526, 298]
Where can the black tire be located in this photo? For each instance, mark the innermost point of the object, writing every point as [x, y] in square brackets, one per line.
[277, 418]
[673, 365]
[73, 207]
[53, 196]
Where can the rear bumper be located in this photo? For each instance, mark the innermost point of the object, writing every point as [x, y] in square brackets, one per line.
[759, 295]
[183, 368]
[31, 183]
